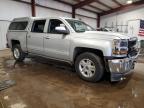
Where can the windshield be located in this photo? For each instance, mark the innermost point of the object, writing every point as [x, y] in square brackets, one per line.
[79, 26]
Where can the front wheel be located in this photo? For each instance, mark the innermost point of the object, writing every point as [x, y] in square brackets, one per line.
[18, 54]
[89, 67]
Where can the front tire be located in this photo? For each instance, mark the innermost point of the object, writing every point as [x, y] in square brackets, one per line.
[18, 54]
[89, 67]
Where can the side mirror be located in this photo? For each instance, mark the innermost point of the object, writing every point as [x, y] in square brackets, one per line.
[61, 30]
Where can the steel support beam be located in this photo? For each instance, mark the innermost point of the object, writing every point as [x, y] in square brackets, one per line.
[33, 8]
[98, 20]
[73, 12]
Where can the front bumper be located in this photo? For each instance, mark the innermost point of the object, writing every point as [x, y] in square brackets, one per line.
[119, 68]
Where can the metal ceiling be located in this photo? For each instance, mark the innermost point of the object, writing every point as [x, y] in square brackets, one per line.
[100, 6]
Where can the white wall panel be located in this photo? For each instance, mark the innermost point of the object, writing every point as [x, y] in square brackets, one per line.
[54, 4]
[3, 30]
[123, 17]
[89, 21]
[10, 9]
[86, 13]
[43, 12]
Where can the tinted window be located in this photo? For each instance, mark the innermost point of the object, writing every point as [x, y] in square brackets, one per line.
[18, 25]
[53, 23]
[38, 26]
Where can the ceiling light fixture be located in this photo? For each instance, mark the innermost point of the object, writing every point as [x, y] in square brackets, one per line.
[129, 2]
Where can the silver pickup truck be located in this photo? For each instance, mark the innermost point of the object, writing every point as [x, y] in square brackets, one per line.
[92, 53]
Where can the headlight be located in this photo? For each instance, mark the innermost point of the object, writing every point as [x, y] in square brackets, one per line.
[120, 47]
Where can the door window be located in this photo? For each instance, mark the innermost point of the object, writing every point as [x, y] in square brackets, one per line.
[38, 26]
[53, 23]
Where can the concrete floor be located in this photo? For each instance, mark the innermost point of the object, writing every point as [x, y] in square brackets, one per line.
[43, 85]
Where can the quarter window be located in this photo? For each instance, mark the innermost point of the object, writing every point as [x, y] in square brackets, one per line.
[18, 25]
[38, 26]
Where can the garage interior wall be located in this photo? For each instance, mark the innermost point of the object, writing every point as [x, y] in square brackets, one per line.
[120, 19]
[91, 21]
[40, 11]
[11, 9]
[3, 29]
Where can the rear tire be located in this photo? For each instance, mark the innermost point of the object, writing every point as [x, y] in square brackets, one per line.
[18, 54]
[89, 67]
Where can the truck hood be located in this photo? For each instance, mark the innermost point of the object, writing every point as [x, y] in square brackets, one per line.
[103, 35]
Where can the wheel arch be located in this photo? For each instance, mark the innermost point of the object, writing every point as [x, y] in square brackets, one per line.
[14, 42]
[80, 50]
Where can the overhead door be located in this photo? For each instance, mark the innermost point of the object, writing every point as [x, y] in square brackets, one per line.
[3, 30]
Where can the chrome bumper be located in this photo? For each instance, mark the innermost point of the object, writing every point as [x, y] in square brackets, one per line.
[120, 67]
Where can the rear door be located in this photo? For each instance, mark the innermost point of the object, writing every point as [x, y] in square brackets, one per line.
[36, 36]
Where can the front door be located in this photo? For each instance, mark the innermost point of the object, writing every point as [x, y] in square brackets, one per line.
[35, 38]
[56, 45]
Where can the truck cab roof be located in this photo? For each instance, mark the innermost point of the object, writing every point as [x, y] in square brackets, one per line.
[38, 18]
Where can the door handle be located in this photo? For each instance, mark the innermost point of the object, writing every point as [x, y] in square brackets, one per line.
[29, 36]
[47, 37]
